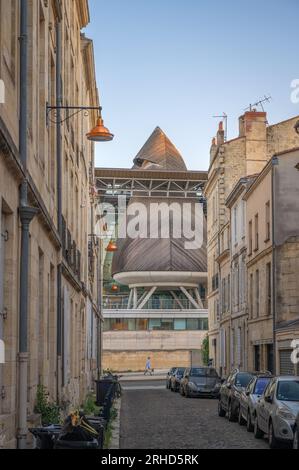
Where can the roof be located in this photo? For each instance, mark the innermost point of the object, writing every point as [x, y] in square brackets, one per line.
[159, 153]
[147, 174]
[159, 254]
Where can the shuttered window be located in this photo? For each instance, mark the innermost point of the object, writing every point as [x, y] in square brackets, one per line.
[222, 348]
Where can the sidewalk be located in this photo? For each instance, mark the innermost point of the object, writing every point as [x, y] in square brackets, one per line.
[159, 374]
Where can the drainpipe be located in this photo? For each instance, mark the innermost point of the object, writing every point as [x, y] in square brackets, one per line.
[59, 206]
[27, 214]
[274, 164]
[99, 320]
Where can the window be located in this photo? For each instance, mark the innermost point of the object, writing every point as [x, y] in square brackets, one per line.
[251, 295]
[119, 324]
[256, 232]
[131, 324]
[257, 358]
[268, 289]
[203, 324]
[257, 293]
[180, 324]
[192, 324]
[250, 237]
[141, 324]
[267, 221]
[228, 292]
[238, 346]
[270, 357]
[235, 225]
[107, 326]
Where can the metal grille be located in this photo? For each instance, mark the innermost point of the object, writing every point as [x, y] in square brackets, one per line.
[285, 364]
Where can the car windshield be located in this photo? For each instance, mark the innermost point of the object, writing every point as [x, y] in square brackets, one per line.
[260, 385]
[180, 370]
[288, 390]
[242, 380]
[203, 372]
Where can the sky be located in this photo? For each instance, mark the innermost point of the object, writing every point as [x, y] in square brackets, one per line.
[176, 64]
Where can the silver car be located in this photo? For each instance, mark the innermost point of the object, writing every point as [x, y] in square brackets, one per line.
[249, 399]
[277, 409]
[296, 434]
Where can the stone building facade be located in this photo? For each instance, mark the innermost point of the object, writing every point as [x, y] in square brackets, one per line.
[273, 260]
[67, 371]
[230, 161]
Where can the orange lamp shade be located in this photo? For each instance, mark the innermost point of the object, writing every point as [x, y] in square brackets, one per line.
[112, 247]
[114, 288]
[100, 133]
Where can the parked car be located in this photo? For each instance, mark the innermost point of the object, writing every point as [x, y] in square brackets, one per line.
[296, 434]
[277, 409]
[249, 398]
[230, 393]
[175, 379]
[200, 381]
[169, 375]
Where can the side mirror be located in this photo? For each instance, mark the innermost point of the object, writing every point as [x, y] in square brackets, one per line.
[268, 399]
[247, 393]
[229, 386]
[222, 381]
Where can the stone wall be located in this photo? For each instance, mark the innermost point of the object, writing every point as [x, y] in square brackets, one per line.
[124, 361]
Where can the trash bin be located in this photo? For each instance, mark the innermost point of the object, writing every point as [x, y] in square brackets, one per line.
[46, 437]
[103, 387]
[65, 444]
[99, 424]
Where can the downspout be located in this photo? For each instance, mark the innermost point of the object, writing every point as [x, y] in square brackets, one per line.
[99, 329]
[27, 214]
[274, 163]
[59, 206]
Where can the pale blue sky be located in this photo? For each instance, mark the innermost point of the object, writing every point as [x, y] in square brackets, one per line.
[177, 63]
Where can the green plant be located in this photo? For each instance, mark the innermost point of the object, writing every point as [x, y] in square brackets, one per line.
[49, 411]
[89, 406]
[109, 430]
[205, 351]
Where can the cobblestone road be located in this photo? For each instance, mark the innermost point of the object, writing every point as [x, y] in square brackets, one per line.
[160, 419]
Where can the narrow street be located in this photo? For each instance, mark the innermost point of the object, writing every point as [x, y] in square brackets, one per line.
[155, 418]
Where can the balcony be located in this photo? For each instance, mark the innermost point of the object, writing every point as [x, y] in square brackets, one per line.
[120, 302]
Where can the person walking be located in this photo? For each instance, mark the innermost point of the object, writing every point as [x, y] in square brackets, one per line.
[148, 367]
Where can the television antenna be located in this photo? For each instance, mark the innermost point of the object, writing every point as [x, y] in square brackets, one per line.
[223, 116]
[260, 103]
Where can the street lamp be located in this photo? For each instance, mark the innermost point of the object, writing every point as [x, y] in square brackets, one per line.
[99, 133]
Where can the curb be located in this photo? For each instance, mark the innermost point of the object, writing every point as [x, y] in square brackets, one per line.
[115, 439]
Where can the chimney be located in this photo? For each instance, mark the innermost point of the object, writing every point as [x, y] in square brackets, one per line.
[253, 127]
[213, 149]
[220, 134]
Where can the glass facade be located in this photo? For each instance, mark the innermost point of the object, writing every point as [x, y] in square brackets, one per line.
[160, 324]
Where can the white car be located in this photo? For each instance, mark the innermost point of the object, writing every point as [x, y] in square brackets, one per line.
[277, 409]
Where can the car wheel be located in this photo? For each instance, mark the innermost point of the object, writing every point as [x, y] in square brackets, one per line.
[230, 413]
[296, 439]
[221, 411]
[273, 442]
[249, 425]
[258, 433]
[241, 420]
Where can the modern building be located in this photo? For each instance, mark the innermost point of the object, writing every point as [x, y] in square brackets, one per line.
[155, 283]
[231, 160]
[56, 345]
